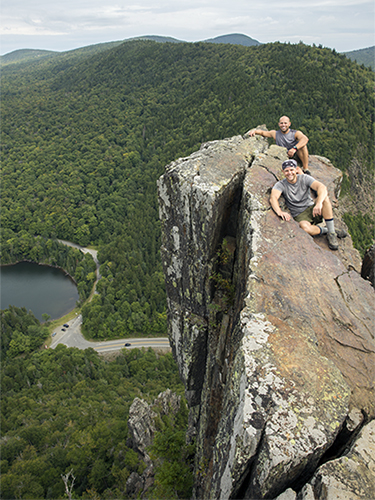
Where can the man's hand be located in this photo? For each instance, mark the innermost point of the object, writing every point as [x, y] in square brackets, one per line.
[252, 132]
[317, 210]
[291, 152]
[285, 216]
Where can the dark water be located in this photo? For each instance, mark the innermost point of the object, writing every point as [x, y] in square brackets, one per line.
[40, 289]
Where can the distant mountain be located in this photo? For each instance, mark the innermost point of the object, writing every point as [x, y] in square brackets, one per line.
[363, 56]
[234, 39]
[28, 55]
[156, 38]
[25, 55]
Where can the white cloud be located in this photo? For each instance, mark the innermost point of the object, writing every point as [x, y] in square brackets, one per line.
[340, 24]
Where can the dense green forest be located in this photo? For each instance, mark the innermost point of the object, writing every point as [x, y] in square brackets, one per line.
[21, 332]
[66, 409]
[86, 135]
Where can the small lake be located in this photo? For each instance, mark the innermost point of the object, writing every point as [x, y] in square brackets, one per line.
[41, 289]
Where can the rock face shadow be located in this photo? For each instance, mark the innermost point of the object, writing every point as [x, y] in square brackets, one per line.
[272, 331]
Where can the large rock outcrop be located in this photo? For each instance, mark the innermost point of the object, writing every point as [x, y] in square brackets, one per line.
[142, 428]
[273, 332]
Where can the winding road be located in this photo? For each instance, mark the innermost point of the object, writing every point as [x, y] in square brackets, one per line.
[72, 336]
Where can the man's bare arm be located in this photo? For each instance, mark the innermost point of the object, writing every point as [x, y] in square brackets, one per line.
[274, 201]
[264, 133]
[301, 138]
[322, 193]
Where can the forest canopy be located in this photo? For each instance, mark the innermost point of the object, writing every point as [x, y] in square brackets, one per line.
[86, 135]
[65, 409]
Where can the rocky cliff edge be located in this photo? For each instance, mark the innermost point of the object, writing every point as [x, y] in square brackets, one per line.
[273, 332]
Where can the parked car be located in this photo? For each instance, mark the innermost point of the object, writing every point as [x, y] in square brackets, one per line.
[66, 325]
[63, 329]
[54, 333]
[127, 344]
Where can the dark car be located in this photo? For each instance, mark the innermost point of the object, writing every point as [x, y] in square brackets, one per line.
[66, 325]
[63, 329]
[127, 344]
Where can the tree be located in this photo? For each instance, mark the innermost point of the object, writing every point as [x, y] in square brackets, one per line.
[68, 480]
[19, 344]
[46, 317]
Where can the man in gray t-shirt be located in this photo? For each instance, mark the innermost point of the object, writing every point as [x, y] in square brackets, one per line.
[294, 141]
[297, 194]
[296, 191]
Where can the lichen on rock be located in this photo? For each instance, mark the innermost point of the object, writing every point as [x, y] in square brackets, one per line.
[271, 375]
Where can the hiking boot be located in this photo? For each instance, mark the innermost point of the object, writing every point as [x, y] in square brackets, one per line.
[306, 172]
[341, 233]
[333, 244]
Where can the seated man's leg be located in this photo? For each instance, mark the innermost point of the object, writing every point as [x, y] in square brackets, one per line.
[309, 228]
[327, 211]
[308, 222]
[303, 154]
[330, 225]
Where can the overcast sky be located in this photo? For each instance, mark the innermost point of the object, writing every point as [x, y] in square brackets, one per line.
[43, 24]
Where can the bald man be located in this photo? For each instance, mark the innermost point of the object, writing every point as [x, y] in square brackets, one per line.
[294, 141]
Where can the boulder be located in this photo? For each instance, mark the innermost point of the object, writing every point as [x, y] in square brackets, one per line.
[134, 485]
[271, 330]
[167, 402]
[350, 477]
[141, 425]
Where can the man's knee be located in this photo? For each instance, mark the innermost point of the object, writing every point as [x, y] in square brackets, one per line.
[327, 202]
[305, 225]
[303, 152]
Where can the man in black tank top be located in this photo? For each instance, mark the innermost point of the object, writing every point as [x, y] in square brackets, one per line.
[294, 141]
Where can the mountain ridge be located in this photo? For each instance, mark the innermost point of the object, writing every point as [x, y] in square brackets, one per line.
[28, 54]
[364, 56]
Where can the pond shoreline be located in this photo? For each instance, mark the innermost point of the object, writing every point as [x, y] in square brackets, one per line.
[40, 264]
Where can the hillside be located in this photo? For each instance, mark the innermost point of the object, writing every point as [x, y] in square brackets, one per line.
[67, 410]
[363, 56]
[24, 55]
[29, 55]
[235, 39]
[86, 134]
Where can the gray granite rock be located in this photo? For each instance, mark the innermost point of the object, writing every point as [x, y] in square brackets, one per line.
[350, 477]
[271, 330]
[141, 425]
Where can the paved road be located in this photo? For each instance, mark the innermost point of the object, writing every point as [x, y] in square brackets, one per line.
[73, 337]
[94, 253]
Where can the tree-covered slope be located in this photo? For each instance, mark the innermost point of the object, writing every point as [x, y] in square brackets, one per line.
[363, 56]
[67, 410]
[85, 137]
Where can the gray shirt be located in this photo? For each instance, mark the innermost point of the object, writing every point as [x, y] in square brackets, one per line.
[288, 140]
[297, 196]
